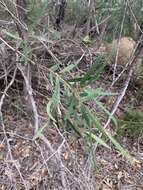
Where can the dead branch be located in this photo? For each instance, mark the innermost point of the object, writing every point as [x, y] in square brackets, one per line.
[3, 127]
[30, 98]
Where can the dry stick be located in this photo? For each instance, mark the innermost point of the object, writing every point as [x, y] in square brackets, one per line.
[131, 61]
[117, 53]
[95, 15]
[44, 160]
[3, 126]
[54, 153]
[16, 51]
[136, 21]
[115, 107]
[15, 16]
[6, 23]
[102, 22]
[25, 69]
[57, 155]
[52, 150]
[84, 181]
[51, 53]
[33, 104]
[82, 173]
[119, 99]
[117, 102]
[92, 13]
[11, 156]
[49, 145]
[6, 89]
[14, 135]
[139, 41]
[14, 13]
[90, 5]
[29, 89]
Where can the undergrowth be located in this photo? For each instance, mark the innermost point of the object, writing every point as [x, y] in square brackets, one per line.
[131, 125]
[72, 102]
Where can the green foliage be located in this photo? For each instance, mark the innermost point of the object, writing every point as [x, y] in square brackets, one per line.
[36, 10]
[93, 73]
[70, 108]
[77, 12]
[132, 124]
[120, 12]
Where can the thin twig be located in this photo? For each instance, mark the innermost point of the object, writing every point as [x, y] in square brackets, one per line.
[3, 126]
[119, 99]
[32, 101]
[118, 46]
[58, 159]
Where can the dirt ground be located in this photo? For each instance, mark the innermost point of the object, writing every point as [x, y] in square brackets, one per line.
[59, 160]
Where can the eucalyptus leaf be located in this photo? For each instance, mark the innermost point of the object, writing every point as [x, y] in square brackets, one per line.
[49, 111]
[68, 68]
[90, 94]
[97, 139]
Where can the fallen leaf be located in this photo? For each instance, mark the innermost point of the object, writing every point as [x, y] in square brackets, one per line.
[66, 156]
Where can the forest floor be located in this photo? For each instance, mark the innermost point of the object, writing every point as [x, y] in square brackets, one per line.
[28, 164]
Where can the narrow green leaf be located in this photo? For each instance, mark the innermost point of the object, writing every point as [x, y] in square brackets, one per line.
[117, 145]
[92, 74]
[56, 95]
[124, 152]
[78, 79]
[90, 94]
[11, 35]
[68, 68]
[54, 67]
[51, 78]
[49, 111]
[97, 139]
[74, 127]
[106, 111]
